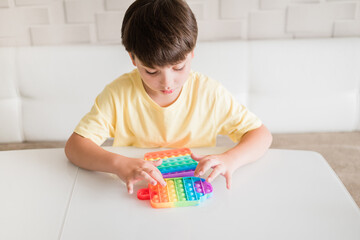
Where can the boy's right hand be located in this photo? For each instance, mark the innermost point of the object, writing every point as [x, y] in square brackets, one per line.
[132, 170]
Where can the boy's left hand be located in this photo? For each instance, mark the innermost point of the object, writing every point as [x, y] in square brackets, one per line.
[219, 163]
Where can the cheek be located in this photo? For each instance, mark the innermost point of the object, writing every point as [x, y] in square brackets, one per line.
[149, 80]
[152, 82]
[185, 74]
[181, 79]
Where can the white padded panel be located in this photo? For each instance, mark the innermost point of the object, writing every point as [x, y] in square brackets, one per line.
[59, 85]
[75, 72]
[358, 109]
[51, 120]
[284, 113]
[226, 62]
[7, 73]
[10, 120]
[308, 66]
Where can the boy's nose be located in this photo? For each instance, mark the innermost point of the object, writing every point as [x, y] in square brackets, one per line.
[167, 80]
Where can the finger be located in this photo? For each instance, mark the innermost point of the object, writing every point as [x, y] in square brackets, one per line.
[156, 174]
[157, 162]
[202, 161]
[217, 170]
[205, 165]
[197, 157]
[199, 170]
[228, 180]
[144, 175]
[130, 187]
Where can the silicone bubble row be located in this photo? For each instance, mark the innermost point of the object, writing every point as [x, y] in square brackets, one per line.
[177, 161]
[159, 193]
[167, 154]
[177, 165]
[177, 169]
[201, 188]
[184, 158]
[179, 185]
[190, 189]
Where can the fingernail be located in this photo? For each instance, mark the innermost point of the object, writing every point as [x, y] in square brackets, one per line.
[153, 183]
[209, 179]
[200, 173]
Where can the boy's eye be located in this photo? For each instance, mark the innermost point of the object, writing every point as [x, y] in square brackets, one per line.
[179, 69]
[151, 73]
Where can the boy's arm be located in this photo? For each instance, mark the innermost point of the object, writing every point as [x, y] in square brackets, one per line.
[251, 147]
[86, 154]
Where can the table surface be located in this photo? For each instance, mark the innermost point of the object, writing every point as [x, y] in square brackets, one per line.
[287, 194]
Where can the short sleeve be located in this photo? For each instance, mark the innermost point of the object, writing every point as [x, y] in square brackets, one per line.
[99, 123]
[233, 119]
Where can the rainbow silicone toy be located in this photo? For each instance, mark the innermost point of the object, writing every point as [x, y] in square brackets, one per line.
[176, 163]
[178, 192]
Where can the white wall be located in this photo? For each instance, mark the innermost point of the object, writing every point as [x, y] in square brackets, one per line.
[58, 22]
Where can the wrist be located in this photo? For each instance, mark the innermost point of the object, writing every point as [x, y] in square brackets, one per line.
[117, 165]
[232, 160]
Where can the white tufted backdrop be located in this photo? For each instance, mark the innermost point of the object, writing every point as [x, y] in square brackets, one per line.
[307, 85]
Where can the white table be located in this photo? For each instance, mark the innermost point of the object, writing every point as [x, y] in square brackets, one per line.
[285, 195]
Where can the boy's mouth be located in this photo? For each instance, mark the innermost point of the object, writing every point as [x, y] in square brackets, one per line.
[167, 91]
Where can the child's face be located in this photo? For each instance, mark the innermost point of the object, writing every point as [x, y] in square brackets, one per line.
[164, 82]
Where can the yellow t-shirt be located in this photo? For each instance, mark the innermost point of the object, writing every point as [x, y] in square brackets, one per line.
[204, 109]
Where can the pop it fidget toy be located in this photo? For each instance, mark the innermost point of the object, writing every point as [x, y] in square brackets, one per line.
[178, 192]
[176, 163]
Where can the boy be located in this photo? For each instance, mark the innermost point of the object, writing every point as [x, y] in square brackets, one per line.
[162, 103]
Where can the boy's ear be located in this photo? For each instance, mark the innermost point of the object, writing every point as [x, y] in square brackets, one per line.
[132, 56]
[192, 54]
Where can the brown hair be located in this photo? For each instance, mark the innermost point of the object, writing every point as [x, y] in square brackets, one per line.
[159, 32]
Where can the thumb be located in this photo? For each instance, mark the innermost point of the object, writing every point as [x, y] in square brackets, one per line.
[197, 157]
[157, 162]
